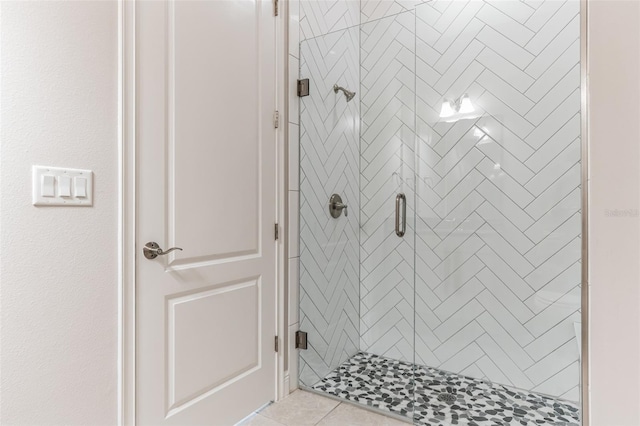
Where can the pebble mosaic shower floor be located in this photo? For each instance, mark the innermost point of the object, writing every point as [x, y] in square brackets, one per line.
[441, 398]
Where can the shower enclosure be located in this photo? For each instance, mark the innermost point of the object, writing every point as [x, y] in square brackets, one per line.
[440, 213]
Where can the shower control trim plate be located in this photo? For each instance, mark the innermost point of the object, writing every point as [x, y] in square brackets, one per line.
[336, 206]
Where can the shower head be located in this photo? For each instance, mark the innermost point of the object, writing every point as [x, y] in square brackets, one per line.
[347, 93]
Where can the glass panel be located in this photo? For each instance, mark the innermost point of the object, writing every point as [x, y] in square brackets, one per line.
[356, 272]
[498, 211]
[329, 252]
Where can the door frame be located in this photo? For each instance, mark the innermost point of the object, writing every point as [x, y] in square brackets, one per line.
[585, 385]
[127, 203]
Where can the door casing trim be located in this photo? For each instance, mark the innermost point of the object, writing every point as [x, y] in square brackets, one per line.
[127, 204]
[126, 213]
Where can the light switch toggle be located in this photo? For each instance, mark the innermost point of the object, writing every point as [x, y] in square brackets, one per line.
[64, 186]
[48, 185]
[80, 187]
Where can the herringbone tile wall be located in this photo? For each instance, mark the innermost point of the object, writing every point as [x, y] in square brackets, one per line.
[498, 241]
[497, 193]
[493, 197]
[376, 9]
[329, 155]
[320, 17]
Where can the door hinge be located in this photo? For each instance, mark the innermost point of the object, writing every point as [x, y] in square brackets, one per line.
[303, 87]
[276, 231]
[276, 119]
[301, 339]
[275, 8]
[276, 345]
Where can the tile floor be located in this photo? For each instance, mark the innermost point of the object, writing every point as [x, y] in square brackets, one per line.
[307, 409]
[441, 398]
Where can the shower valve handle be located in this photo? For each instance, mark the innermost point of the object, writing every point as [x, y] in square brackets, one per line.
[341, 206]
[336, 206]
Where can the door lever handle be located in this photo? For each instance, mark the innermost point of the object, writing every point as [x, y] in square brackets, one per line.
[152, 250]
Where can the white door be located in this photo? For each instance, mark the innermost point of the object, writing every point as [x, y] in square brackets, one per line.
[206, 182]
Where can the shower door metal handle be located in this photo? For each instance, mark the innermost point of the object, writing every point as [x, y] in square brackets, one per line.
[401, 199]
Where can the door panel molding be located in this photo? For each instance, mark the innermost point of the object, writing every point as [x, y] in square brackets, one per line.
[174, 209]
[170, 136]
[175, 403]
[191, 263]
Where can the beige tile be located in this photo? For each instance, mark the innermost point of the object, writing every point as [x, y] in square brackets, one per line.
[349, 415]
[259, 420]
[300, 408]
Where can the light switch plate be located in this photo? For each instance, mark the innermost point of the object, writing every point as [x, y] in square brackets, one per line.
[61, 175]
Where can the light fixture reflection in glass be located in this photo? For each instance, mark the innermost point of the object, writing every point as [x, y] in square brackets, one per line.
[457, 109]
[447, 110]
[465, 105]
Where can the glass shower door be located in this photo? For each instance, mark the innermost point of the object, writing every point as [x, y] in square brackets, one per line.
[498, 212]
[387, 232]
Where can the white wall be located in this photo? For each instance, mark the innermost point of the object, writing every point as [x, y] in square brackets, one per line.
[614, 117]
[59, 268]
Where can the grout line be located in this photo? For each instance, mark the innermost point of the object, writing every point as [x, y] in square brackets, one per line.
[330, 411]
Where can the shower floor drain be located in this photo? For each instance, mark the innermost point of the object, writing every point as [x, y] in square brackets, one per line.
[447, 397]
